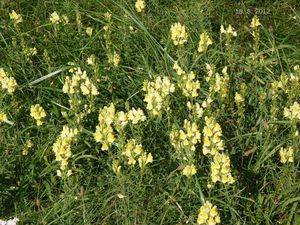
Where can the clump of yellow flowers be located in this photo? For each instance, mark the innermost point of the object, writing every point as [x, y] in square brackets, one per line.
[187, 82]
[220, 169]
[184, 141]
[208, 214]
[189, 170]
[62, 146]
[38, 113]
[179, 35]
[136, 115]
[135, 152]
[186, 138]
[108, 117]
[156, 93]
[292, 113]
[54, 18]
[229, 31]
[17, 18]
[286, 154]
[212, 133]
[255, 22]
[196, 109]
[3, 117]
[104, 131]
[114, 59]
[205, 41]
[79, 82]
[140, 5]
[6, 82]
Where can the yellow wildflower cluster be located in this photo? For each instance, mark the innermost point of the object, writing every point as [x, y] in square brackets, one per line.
[208, 214]
[136, 115]
[238, 98]
[212, 133]
[255, 22]
[114, 59]
[108, 117]
[156, 93]
[220, 169]
[38, 113]
[179, 35]
[196, 109]
[187, 82]
[104, 131]
[184, 141]
[56, 19]
[187, 138]
[220, 83]
[8, 83]
[293, 113]
[79, 82]
[91, 60]
[205, 41]
[134, 152]
[3, 117]
[120, 120]
[62, 146]
[286, 155]
[140, 5]
[189, 170]
[229, 31]
[29, 52]
[17, 18]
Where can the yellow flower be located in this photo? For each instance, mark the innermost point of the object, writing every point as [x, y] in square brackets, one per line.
[212, 137]
[114, 59]
[136, 115]
[79, 82]
[178, 34]
[121, 120]
[286, 155]
[189, 170]
[65, 19]
[208, 214]
[89, 31]
[255, 22]
[38, 113]
[116, 167]
[62, 146]
[238, 98]
[134, 151]
[229, 31]
[3, 117]
[205, 41]
[220, 169]
[140, 6]
[293, 113]
[17, 18]
[156, 93]
[27, 146]
[8, 83]
[187, 82]
[91, 60]
[54, 18]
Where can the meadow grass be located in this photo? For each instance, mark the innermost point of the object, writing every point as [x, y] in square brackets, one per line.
[254, 127]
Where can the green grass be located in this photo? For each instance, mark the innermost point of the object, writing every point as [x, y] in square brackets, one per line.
[265, 191]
